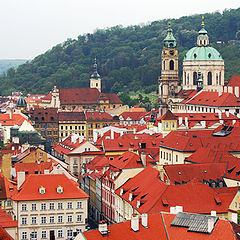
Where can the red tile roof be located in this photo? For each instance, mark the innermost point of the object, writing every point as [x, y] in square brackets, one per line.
[156, 196]
[44, 114]
[8, 188]
[71, 116]
[98, 116]
[181, 173]
[85, 96]
[68, 144]
[234, 81]
[30, 188]
[159, 227]
[16, 119]
[213, 99]
[33, 168]
[133, 116]
[168, 116]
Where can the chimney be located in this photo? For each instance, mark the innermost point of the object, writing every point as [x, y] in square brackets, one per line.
[230, 89]
[237, 91]
[180, 120]
[167, 182]
[20, 179]
[227, 114]
[235, 218]
[220, 115]
[112, 134]
[220, 92]
[46, 171]
[143, 158]
[225, 89]
[130, 197]
[102, 227]
[179, 209]
[211, 221]
[121, 191]
[15, 140]
[186, 122]
[135, 222]
[213, 213]
[173, 210]
[161, 173]
[203, 124]
[144, 220]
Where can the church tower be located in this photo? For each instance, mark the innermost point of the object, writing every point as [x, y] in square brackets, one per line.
[95, 80]
[169, 79]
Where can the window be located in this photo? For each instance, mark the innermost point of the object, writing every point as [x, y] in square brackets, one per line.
[171, 65]
[60, 233]
[79, 218]
[61, 127]
[34, 220]
[66, 127]
[24, 207]
[43, 206]
[69, 218]
[24, 235]
[44, 234]
[51, 219]
[9, 203]
[69, 233]
[75, 127]
[209, 78]
[195, 78]
[51, 206]
[176, 158]
[33, 235]
[79, 204]
[69, 205]
[60, 219]
[60, 206]
[34, 207]
[82, 127]
[70, 127]
[43, 220]
[24, 221]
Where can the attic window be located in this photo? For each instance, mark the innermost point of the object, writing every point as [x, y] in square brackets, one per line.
[209, 55]
[238, 173]
[42, 190]
[195, 55]
[203, 116]
[179, 173]
[205, 171]
[59, 189]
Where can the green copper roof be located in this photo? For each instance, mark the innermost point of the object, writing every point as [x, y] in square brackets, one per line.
[203, 31]
[203, 53]
[21, 102]
[170, 40]
[95, 74]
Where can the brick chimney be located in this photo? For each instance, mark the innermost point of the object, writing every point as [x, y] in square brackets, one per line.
[143, 158]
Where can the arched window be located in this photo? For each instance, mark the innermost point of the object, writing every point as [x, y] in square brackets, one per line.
[185, 76]
[217, 78]
[195, 78]
[209, 78]
[163, 65]
[188, 79]
[171, 65]
[220, 78]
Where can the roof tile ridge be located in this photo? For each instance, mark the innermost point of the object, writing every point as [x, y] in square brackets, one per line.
[164, 225]
[194, 96]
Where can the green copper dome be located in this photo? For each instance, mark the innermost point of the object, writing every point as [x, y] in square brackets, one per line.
[170, 40]
[21, 102]
[203, 53]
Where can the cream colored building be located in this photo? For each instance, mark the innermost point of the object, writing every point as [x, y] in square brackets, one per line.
[49, 207]
[208, 60]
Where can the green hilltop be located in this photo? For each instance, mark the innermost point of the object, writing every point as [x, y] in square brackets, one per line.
[128, 57]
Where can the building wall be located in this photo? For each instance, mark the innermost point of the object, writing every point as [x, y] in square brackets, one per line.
[38, 213]
[68, 127]
[35, 155]
[169, 156]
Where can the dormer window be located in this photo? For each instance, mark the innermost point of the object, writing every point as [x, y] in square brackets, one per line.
[42, 190]
[59, 189]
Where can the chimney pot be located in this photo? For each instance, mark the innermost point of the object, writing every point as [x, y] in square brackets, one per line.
[102, 227]
[179, 209]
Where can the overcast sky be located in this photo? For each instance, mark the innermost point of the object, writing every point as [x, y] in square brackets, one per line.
[31, 27]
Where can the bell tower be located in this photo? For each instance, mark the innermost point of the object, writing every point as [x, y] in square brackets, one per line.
[169, 79]
[95, 80]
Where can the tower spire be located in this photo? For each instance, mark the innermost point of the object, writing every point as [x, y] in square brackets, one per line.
[203, 24]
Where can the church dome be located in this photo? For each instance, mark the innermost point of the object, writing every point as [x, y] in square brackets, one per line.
[21, 102]
[203, 53]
